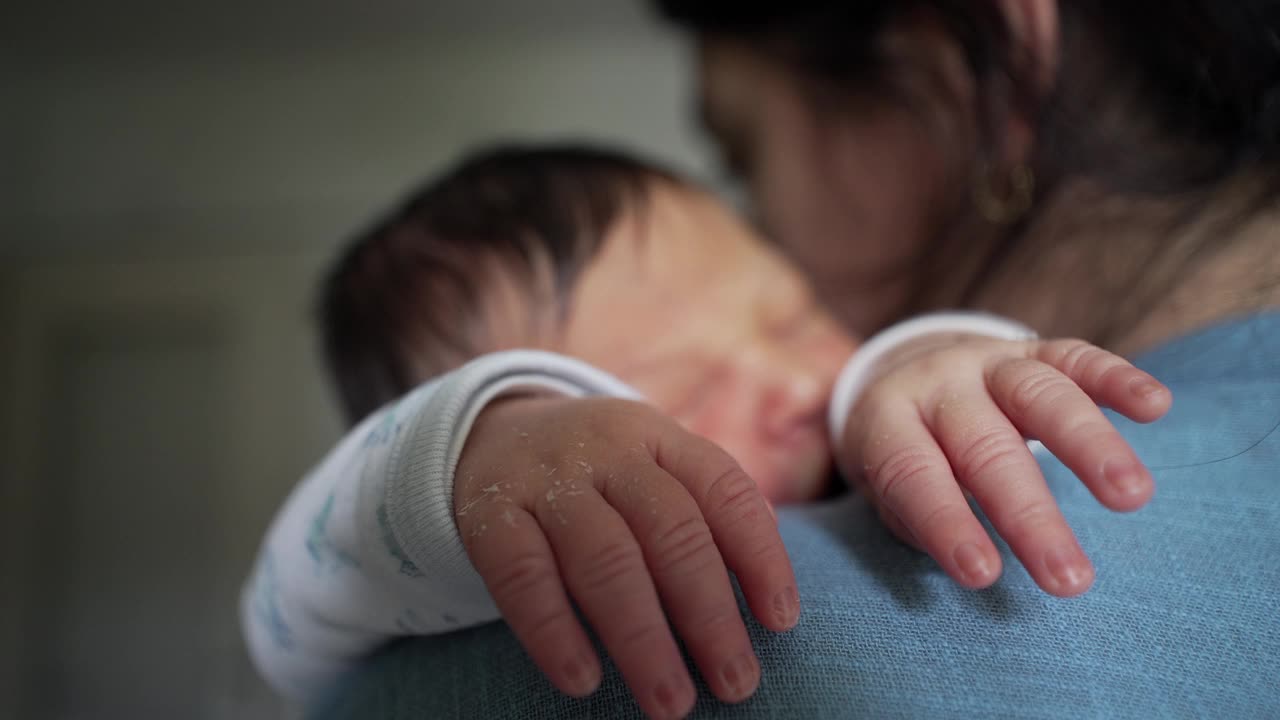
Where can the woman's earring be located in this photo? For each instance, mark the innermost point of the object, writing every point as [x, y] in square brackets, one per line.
[1006, 202]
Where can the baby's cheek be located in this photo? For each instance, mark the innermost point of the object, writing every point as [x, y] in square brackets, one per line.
[782, 474]
[715, 422]
[777, 486]
[721, 430]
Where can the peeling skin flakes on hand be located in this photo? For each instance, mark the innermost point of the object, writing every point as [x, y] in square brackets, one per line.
[470, 504]
[509, 517]
[551, 496]
[492, 492]
[571, 488]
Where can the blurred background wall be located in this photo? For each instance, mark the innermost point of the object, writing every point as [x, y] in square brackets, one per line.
[174, 176]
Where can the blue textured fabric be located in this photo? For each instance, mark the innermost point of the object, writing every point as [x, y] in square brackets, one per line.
[1183, 621]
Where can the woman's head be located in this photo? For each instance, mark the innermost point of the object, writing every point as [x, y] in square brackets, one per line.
[598, 256]
[889, 145]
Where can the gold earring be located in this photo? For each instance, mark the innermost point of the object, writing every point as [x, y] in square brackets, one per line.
[1008, 205]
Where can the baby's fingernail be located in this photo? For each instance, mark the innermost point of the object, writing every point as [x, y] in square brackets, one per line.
[579, 676]
[1145, 387]
[740, 677]
[1125, 477]
[674, 696]
[1069, 568]
[786, 607]
[973, 563]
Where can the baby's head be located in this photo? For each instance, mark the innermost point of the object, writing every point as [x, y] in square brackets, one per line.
[601, 257]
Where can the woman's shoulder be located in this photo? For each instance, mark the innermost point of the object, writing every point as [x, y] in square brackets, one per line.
[1240, 349]
[1226, 403]
[1225, 423]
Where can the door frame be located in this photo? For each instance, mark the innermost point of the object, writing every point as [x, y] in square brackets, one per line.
[260, 302]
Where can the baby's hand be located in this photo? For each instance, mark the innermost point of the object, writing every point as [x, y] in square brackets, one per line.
[612, 504]
[952, 415]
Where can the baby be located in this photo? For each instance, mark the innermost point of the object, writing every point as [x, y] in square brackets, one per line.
[625, 379]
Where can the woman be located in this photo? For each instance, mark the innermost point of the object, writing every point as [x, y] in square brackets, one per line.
[1097, 169]
[1124, 156]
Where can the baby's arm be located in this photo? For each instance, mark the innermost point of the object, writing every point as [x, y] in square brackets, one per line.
[922, 417]
[602, 500]
[365, 549]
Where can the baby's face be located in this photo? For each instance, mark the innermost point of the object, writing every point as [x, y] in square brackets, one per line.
[686, 304]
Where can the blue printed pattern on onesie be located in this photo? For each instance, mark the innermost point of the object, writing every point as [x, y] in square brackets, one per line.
[411, 623]
[380, 435]
[393, 546]
[266, 604]
[383, 432]
[327, 556]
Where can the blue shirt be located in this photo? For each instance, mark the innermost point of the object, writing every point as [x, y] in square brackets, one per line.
[1183, 620]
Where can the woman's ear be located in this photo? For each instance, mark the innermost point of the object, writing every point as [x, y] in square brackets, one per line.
[1035, 27]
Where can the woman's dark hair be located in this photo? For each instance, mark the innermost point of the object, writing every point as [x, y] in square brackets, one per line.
[407, 299]
[1207, 70]
[1154, 99]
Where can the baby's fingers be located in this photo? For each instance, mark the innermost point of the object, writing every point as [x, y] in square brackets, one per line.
[992, 461]
[690, 575]
[1044, 404]
[908, 478]
[513, 556]
[1110, 380]
[742, 523]
[605, 570]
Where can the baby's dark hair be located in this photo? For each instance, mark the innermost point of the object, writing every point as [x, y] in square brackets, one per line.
[407, 300]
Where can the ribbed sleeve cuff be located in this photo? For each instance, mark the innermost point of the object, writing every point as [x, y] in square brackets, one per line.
[857, 373]
[419, 491]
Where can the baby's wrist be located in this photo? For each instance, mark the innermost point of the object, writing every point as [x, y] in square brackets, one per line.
[902, 341]
[915, 347]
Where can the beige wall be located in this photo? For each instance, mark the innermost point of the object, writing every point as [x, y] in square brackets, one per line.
[309, 139]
